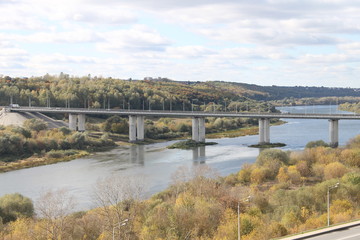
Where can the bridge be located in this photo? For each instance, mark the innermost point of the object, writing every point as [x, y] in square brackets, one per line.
[136, 120]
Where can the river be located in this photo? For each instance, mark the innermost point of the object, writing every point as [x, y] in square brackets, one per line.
[156, 164]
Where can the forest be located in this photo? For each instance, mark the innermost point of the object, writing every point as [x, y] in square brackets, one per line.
[97, 92]
[281, 193]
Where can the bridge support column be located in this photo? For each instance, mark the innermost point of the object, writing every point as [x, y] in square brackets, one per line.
[132, 128]
[195, 129]
[81, 122]
[267, 130]
[264, 130]
[140, 128]
[261, 131]
[334, 133]
[72, 121]
[202, 129]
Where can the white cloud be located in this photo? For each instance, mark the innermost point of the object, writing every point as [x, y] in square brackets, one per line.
[265, 42]
[185, 52]
[137, 39]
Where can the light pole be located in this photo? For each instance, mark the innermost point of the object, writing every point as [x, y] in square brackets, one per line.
[328, 201]
[192, 104]
[118, 225]
[238, 212]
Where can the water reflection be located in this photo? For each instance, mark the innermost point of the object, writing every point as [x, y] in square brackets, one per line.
[137, 154]
[199, 155]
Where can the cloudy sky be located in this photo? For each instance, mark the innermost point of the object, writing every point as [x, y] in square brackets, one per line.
[265, 42]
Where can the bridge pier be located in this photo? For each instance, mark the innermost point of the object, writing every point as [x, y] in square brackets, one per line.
[264, 130]
[81, 122]
[198, 129]
[73, 122]
[334, 132]
[267, 130]
[136, 128]
[140, 128]
[195, 129]
[77, 122]
[202, 129]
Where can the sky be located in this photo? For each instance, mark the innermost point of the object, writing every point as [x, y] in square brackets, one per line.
[263, 42]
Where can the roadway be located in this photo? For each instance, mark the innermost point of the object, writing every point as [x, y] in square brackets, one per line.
[347, 231]
[344, 234]
[157, 113]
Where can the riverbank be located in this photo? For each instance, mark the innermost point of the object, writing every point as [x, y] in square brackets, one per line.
[35, 161]
[11, 163]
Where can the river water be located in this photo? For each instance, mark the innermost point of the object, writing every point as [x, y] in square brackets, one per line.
[156, 164]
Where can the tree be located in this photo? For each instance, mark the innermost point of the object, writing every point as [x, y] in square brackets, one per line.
[272, 159]
[54, 208]
[13, 206]
[114, 196]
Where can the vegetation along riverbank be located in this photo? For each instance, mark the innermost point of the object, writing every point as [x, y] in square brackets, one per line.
[34, 145]
[281, 193]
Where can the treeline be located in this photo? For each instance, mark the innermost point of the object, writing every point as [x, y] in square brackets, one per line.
[315, 101]
[98, 92]
[34, 138]
[281, 193]
[281, 92]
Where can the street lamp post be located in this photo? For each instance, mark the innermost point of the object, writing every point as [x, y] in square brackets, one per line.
[118, 225]
[192, 104]
[328, 201]
[238, 212]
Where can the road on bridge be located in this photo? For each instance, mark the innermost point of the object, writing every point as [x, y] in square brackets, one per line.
[158, 113]
[347, 231]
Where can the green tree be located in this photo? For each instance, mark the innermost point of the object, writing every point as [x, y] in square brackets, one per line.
[13, 206]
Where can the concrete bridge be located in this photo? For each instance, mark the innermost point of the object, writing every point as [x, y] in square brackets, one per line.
[136, 120]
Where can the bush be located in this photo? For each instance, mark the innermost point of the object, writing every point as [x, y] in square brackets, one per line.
[65, 130]
[15, 205]
[314, 144]
[272, 159]
[24, 132]
[334, 170]
[35, 124]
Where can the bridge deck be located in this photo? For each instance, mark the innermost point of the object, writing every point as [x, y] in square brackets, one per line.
[157, 113]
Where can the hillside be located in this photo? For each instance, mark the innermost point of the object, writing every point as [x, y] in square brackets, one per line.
[98, 92]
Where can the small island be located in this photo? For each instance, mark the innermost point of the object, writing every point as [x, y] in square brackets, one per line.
[268, 145]
[189, 144]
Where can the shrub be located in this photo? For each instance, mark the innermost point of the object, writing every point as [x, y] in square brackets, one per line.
[35, 124]
[244, 175]
[24, 132]
[15, 205]
[334, 170]
[258, 175]
[272, 159]
[314, 144]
